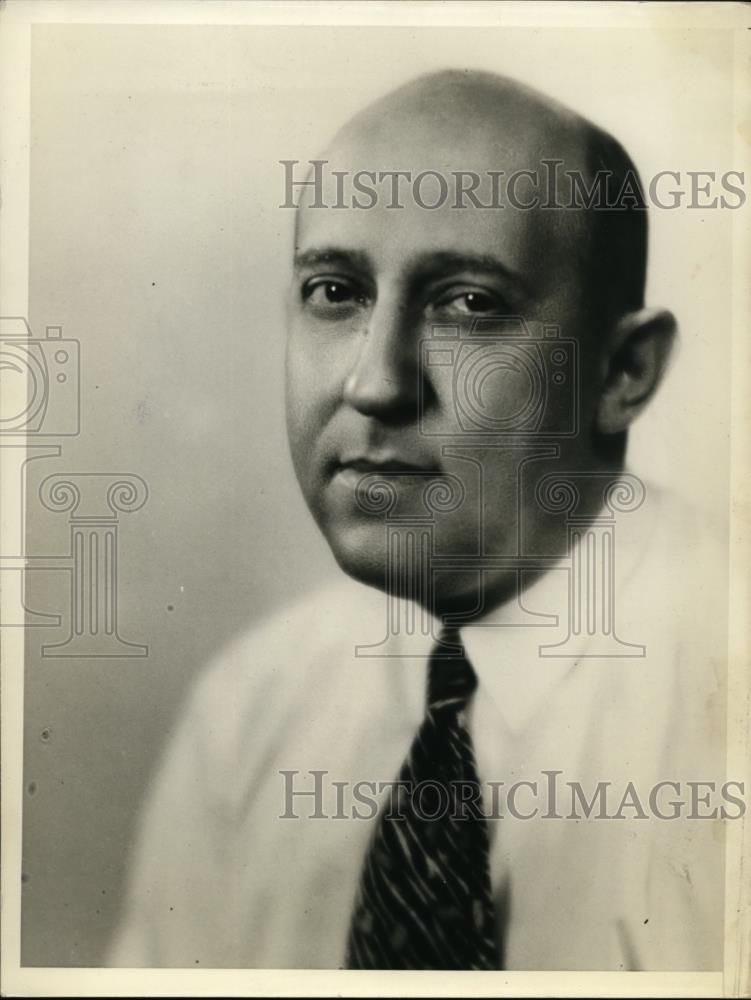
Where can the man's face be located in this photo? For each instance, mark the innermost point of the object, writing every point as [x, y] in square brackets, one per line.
[368, 398]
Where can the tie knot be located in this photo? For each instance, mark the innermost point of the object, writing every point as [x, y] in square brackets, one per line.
[451, 679]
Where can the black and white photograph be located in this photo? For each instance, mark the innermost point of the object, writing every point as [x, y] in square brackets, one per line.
[375, 476]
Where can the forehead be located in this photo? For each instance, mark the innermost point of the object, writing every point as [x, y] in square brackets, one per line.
[541, 245]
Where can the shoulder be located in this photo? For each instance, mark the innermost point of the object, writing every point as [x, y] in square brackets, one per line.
[671, 516]
[671, 586]
[299, 634]
[691, 527]
[275, 665]
[676, 604]
[682, 549]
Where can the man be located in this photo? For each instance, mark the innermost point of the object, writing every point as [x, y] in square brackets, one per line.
[461, 380]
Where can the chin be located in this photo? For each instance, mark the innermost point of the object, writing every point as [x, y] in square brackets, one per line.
[360, 553]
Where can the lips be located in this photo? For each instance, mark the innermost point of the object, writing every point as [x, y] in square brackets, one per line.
[405, 472]
[387, 465]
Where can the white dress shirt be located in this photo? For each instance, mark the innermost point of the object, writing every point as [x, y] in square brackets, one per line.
[219, 879]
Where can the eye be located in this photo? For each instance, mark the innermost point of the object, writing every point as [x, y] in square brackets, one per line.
[331, 293]
[470, 302]
[474, 302]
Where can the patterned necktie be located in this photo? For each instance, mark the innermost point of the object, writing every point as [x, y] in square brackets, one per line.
[424, 899]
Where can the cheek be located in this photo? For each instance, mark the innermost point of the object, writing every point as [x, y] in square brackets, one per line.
[300, 394]
[310, 396]
[491, 390]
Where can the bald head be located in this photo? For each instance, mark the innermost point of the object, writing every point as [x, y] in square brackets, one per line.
[472, 107]
[472, 121]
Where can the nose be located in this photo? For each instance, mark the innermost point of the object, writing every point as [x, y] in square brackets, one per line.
[383, 380]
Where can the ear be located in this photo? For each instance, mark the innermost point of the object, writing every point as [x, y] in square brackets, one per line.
[640, 348]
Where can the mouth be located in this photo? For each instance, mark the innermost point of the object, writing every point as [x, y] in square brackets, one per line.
[350, 471]
[387, 466]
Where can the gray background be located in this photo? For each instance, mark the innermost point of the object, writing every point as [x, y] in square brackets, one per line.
[157, 242]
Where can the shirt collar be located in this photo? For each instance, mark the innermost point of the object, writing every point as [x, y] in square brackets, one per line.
[504, 648]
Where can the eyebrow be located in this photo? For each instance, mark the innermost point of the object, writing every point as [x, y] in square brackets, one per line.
[444, 261]
[428, 265]
[332, 255]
